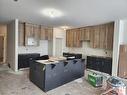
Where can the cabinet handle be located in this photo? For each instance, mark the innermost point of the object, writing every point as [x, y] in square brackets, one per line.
[75, 61]
[65, 63]
[53, 66]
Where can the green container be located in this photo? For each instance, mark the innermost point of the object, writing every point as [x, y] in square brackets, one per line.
[95, 79]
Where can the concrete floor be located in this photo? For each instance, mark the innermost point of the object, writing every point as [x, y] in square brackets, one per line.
[18, 83]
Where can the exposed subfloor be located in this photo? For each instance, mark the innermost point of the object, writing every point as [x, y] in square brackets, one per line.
[12, 83]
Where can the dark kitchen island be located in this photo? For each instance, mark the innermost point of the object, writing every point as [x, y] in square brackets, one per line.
[52, 73]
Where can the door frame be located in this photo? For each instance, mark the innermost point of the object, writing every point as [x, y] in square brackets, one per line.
[55, 44]
[4, 51]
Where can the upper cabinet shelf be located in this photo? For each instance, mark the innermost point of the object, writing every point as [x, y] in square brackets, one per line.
[99, 36]
[31, 34]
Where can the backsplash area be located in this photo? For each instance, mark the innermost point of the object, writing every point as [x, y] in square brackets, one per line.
[87, 51]
[42, 48]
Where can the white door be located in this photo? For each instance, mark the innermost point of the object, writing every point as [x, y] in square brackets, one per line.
[58, 47]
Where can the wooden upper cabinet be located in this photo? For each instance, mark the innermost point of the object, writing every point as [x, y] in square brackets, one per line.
[50, 33]
[73, 38]
[67, 38]
[43, 33]
[85, 34]
[102, 36]
[29, 30]
[32, 34]
[21, 34]
[36, 32]
[109, 35]
[78, 37]
[95, 37]
[46, 33]
[122, 71]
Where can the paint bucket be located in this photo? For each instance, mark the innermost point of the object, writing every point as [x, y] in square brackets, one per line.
[117, 85]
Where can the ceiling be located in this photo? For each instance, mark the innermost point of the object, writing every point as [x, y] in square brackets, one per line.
[76, 13]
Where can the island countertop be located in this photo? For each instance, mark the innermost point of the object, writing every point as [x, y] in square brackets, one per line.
[51, 60]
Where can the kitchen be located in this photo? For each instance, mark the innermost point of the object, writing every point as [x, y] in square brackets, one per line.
[100, 45]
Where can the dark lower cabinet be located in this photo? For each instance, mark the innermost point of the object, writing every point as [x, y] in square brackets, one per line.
[50, 76]
[100, 64]
[23, 59]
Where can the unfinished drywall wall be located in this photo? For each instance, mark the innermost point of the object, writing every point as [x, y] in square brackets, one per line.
[42, 48]
[12, 44]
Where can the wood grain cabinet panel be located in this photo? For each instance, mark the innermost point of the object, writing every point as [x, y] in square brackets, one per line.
[78, 37]
[92, 36]
[85, 34]
[32, 32]
[50, 33]
[46, 33]
[42, 33]
[122, 71]
[109, 35]
[73, 38]
[95, 37]
[102, 36]
[28, 32]
[36, 31]
[21, 34]
[67, 38]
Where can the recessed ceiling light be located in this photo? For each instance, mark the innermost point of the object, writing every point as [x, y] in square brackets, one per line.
[53, 13]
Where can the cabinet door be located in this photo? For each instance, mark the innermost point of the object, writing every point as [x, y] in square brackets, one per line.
[123, 62]
[21, 34]
[42, 34]
[102, 36]
[95, 37]
[109, 35]
[91, 36]
[67, 38]
[74, 38]
[50, 33]
[77, 37]
[108, 64]
[36, 31]
[71, 38]
[28, 32]
[85, 34]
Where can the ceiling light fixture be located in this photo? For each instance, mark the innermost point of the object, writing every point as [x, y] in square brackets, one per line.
[53, 13]
[65, 27]
[15, 0]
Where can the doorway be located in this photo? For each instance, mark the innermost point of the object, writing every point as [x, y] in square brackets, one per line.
[1, 49]
[58, 47]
